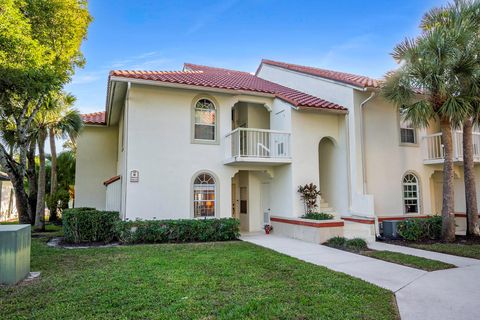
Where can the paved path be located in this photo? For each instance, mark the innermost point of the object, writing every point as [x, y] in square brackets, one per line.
[445, 294]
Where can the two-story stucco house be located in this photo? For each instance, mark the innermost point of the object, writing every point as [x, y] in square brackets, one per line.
[212, 142]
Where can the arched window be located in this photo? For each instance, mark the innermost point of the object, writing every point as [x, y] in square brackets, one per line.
[411, 193]
[204, 196]
[205, 120]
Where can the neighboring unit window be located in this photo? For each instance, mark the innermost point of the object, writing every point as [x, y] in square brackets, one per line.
[205, 120]
[410, 193]
[204, 196]
[407, 132]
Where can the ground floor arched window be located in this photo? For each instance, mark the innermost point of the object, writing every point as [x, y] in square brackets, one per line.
[204, 195]
[411, 193]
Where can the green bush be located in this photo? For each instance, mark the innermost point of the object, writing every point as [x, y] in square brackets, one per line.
[421, 229]
[82, 225]
[336, 242]
[318, 216]
[164, 231]
[57, 202]
[356, 244]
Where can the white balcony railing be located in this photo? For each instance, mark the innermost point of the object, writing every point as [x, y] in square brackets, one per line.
[433, 148]
[248, 144]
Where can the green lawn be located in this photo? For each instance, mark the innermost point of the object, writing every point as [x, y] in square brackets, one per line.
[409, 260]
[457, 249]
[233, 280]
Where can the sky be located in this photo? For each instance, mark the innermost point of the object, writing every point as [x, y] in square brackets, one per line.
[345, 35]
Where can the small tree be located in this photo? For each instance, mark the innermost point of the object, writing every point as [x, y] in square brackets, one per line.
[309, 193]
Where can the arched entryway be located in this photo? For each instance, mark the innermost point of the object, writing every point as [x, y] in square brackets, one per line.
[333, 174]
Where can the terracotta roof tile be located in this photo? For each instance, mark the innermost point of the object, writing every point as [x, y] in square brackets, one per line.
[348, 78]
[94, 118]
[204, 76]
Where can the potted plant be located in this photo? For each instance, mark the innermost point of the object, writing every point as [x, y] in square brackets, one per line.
[268, 228]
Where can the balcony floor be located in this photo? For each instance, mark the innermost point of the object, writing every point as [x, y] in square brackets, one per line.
[257, 161]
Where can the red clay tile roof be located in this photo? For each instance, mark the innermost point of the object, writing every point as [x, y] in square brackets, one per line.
[94, 118]
[348, 78]
[203, 76]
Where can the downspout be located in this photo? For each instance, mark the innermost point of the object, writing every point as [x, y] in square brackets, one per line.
[362, 140]
[125, 137]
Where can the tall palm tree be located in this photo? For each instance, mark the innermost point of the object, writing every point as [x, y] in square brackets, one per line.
[465, 15]
[59, 115]
[60, 129]
[426, 89]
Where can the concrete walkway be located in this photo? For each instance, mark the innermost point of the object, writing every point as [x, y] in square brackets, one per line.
[445, 294]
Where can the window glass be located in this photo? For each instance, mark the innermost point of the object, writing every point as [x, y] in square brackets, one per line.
[204, 196]
[410, 193]
[205, 120]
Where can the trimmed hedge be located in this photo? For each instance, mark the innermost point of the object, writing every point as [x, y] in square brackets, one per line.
[417, 229]
[81, 225]
[318, 216]
[342, 243]
[174, 231]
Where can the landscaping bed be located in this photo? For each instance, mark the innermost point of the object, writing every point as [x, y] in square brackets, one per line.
[223, 280]
[462, 246]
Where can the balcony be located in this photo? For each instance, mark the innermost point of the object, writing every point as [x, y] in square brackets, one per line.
[433, 148]
[258, 146]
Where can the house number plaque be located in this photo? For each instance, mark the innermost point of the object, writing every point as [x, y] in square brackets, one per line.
[134, 176]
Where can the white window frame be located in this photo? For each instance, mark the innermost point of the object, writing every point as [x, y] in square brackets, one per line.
[417, 198]
[193, 117]
[216, 195]
[403, 125]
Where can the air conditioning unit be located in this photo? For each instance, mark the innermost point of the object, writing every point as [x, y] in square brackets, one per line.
[390, 229]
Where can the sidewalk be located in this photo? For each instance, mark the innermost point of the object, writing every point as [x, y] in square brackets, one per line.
[445, 294]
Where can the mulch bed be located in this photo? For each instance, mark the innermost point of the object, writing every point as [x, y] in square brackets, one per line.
[458, 239]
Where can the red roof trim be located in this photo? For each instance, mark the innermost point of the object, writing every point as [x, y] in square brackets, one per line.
[211, 77]
[347, 78]
[95, 118]
[316, 224]
[111, 180]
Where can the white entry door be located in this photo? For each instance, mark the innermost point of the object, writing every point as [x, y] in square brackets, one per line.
[265, 203]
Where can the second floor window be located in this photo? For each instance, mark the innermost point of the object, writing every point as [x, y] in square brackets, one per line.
[205, 120]
[407, 132]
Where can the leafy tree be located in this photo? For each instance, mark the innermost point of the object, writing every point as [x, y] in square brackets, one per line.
[427, 88]
[39, 50]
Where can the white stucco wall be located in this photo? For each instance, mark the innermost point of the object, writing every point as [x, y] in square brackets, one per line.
[308, 129]
[160, 148]
[96, 162]
[343, 95]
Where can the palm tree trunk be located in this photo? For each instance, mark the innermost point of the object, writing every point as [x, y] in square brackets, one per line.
[473, 228]
[53, 151]
[448, 204]
[40, 212]
[32, 178]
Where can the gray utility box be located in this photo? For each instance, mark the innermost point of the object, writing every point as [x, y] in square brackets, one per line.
[15, 242]
[390, 229]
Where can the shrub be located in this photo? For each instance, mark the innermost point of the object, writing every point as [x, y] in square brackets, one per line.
[57, 202]
[336, 242]
[421, 229]
[309, 194]
[356, 244]
[89, 225]
[318, 216]
[164, 231]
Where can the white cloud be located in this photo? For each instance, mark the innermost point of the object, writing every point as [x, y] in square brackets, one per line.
[210, 13]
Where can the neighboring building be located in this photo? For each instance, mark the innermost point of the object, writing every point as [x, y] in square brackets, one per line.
[8, 211]
[212, 142]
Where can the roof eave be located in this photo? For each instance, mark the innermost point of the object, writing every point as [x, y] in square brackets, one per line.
[190, 87]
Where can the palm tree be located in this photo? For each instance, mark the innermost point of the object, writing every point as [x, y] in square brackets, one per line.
[426, 89]
[465, 15]
[59, 115]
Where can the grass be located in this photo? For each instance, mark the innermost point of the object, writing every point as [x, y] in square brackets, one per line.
[231, 280]
[457, 249]
[409, 260]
